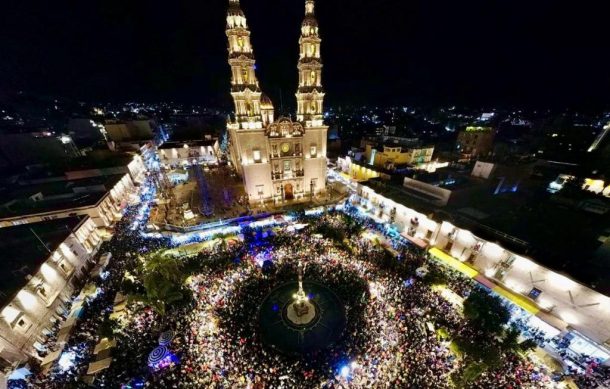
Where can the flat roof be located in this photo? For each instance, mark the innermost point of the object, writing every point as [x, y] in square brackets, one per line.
[191, 143]
[96, 159]
[26, 247]
[15, 200]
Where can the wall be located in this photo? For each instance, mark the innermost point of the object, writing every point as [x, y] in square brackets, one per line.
[483, 169]
[562, 299]
[430, 193]
[104, 213]
[34, 308]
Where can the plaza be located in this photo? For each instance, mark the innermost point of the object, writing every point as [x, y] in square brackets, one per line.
[399, 327]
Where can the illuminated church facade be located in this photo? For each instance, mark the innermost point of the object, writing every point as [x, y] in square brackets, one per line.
[278, 159]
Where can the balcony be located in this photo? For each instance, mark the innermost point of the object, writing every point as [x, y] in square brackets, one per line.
[285, 155]
[287, 174]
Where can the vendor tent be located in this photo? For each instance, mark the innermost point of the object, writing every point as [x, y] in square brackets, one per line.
[51, 357]
[97, 366]
[104, 344]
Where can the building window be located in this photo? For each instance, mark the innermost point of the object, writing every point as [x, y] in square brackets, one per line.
[256, 155]
[42, 291]
[313, 150]
[64, 268]
[259, 189]
[287, 166]
[534, 293]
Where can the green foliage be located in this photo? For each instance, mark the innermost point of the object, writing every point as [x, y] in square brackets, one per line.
[486, 312]
[479, 351]
[107, 328]
[163, 279]
[527, 345]
[435, 276]
[473, 371]
[510, 340]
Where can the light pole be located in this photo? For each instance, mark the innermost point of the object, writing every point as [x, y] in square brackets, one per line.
[312, 184]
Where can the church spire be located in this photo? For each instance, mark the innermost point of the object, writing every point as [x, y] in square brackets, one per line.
[309, 7]
[310, 94]
[244, 85]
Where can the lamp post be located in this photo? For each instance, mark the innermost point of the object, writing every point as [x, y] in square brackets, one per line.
[312, 185]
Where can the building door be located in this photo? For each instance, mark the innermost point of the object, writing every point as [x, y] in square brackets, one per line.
[288, 192]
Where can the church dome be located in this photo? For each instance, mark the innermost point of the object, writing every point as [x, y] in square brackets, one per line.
[310, 21]
[266, 102]
[235, 9]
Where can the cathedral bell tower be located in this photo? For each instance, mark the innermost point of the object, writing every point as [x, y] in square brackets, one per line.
[279, 160]
[310, 95]
[244, 85]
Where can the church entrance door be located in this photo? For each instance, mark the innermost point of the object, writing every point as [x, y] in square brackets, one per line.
[288, 192]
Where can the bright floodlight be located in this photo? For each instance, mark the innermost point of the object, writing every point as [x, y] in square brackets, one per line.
[66, 360]
[344, 371]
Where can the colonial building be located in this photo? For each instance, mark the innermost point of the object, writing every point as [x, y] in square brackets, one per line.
[279, 159]
[194, 152]
[100, 193]
[475, 142]
[40, 265]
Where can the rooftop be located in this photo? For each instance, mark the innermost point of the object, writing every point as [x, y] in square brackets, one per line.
[479, 129]
[15, 200]
[25, 248]
[522, 216]
[190, 143]
[97, 159]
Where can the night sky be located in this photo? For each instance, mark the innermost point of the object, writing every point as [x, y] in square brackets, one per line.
[530, 53]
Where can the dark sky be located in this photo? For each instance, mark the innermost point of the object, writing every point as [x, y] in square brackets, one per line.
[534, 52]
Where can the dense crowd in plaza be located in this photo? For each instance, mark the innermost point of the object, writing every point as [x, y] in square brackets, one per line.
[390, 339]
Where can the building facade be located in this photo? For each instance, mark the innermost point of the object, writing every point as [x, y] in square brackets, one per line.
[395, 155]
[572, 310]
[196, 152]
[475, 142]
[103, 206]
[38, 284]
[278, 159]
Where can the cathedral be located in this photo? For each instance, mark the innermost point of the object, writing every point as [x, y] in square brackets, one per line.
[279, 159]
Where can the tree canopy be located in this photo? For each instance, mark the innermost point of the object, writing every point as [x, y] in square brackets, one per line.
[486, 312]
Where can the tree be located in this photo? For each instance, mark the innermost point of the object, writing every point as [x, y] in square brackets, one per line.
[486, 312]
[510, 340]
[163, 280]
[224, 143]
[527, 345]
[435, 276]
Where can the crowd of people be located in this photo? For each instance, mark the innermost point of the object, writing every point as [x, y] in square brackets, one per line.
[393, 316]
